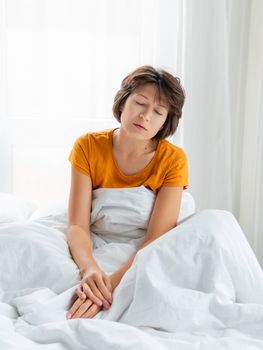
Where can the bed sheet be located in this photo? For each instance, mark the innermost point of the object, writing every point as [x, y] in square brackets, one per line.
[199, 286]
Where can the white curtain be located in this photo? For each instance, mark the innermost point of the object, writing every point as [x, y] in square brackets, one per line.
[223, 129]
[62, 62]
[249, 193]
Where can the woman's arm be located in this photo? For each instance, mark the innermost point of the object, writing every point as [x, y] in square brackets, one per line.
[163, 218]
[95, 283]
[78, 231]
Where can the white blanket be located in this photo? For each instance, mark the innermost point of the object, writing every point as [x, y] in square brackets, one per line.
[199, 286]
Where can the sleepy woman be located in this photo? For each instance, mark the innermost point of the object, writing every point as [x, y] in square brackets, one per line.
[148, 107]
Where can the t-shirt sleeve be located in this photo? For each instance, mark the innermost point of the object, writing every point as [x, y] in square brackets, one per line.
[177, 173]
[79, 155]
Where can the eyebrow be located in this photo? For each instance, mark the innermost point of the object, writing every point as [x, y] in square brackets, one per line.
[148, 99]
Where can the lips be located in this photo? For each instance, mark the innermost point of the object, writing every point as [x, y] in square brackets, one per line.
[141, 126]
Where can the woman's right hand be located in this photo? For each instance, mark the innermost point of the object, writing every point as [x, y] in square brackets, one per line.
[96, 285]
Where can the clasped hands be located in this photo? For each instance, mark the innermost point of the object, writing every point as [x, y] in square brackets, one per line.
[93, 293]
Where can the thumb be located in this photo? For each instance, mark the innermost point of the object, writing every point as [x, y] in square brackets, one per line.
[107, 282]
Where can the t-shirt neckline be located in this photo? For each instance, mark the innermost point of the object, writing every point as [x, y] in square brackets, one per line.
[116, 165]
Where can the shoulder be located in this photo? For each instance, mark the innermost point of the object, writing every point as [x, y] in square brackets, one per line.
[172, 152]
[94, 138]
[174, 165]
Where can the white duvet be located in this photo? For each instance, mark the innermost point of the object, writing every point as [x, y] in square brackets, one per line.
[199, 286]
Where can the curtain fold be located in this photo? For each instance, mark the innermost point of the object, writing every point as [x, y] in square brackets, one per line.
[251, 171]
[223, 123]
[207, 117]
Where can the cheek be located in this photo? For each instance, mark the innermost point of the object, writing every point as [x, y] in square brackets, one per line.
[132, 111]
[160, 122]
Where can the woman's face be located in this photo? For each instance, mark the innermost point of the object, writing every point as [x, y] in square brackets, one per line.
[143, 114]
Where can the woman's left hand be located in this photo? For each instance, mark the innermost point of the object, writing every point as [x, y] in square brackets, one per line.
[85, 308]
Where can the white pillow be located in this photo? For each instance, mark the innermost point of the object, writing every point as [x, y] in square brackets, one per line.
[14, 208]
[187, 206]
[33, 255]
[54, 215]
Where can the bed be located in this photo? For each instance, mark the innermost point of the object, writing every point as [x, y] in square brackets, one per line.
[199, 286]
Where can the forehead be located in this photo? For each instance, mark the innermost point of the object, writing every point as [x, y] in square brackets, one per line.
[151, 92]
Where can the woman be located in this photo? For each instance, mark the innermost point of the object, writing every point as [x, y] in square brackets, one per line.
[148, 107]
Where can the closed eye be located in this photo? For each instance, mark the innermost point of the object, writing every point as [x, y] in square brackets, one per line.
[142, 104]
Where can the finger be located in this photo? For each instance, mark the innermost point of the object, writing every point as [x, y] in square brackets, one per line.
[107, 282]
[74, 308]
[103, 289]
[80, 293]
[90, 294]
[96, 291]
[82, 309]
[92, 311]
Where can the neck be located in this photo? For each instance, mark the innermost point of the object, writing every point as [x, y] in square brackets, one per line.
[126, 146]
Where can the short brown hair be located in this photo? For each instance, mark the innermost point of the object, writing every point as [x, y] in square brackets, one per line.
[168, 85]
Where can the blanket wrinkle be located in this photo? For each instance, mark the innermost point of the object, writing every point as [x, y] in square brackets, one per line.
[198, 286]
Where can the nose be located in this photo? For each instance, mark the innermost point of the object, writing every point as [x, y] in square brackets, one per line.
[145, 115]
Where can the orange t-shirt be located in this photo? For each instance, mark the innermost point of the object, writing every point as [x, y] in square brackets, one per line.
[92, 155]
